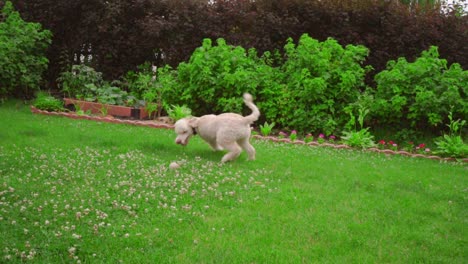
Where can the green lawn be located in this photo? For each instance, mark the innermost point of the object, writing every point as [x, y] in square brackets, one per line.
[90, 192]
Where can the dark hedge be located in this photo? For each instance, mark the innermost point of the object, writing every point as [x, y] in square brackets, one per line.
[122, 34]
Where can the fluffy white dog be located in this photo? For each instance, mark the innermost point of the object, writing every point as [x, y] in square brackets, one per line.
[227, 131]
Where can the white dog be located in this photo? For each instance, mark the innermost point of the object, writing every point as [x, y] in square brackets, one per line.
[227, 131]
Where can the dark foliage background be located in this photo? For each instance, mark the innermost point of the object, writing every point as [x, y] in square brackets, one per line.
[121, 34]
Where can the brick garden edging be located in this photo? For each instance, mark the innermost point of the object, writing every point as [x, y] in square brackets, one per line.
[153, 124]
[107, 119]
[343, 146]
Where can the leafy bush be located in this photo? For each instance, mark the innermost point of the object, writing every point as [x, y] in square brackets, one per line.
[216, 77]
[420, 94]
[323, 78]
[44, 101]
[22, 54]
[452, 145]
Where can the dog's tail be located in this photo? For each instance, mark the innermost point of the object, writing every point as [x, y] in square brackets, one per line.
[255, 112]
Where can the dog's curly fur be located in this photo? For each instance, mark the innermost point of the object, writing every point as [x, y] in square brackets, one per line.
[227, 131]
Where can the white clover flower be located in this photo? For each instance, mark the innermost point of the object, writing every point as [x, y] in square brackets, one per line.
[72, 250]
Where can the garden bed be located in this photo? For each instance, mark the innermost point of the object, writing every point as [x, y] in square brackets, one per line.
[113, 110]
[107, 118]
[159, 124]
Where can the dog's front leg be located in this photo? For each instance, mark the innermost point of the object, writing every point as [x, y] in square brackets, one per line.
[215, 146]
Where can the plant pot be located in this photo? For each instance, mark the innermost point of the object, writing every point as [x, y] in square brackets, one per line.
[113, 110]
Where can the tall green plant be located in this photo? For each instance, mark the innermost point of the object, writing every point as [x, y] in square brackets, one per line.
[361, 137]
[22, 54]
[452, 144]
[155, 87]
[137, 81]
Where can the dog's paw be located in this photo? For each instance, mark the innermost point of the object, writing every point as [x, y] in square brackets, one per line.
[219, 148]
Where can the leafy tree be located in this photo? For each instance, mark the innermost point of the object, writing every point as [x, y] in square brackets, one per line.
[118, 35]
[22, 54]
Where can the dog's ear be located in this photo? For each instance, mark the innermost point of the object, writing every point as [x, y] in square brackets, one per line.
[193, 122]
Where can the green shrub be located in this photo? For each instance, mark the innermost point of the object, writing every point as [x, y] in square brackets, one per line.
[22, 54]
[45, 101]
[216, 77]
[307, 92]
[79, 81]
[322, 78]
[420, 94]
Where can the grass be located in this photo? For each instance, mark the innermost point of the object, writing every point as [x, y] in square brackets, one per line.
[86, 192]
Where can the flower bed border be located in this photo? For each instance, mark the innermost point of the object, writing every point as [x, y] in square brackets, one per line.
[153, 124]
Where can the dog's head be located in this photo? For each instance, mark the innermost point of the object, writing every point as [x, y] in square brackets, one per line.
[184, 129]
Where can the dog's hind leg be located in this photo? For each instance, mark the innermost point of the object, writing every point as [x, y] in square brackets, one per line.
[245, 144]
[233, 151]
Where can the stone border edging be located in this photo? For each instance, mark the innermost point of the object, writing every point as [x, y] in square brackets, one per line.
[270, 138]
